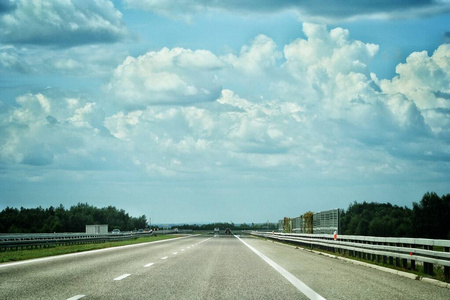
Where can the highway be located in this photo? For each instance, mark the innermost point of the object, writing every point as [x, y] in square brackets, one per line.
[205, 267]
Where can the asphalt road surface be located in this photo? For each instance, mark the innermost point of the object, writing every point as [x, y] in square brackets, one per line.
[205, 267]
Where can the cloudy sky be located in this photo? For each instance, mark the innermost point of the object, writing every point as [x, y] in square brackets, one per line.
[235, 111]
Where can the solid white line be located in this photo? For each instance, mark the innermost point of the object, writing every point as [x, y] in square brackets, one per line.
[165, 257]
[122, 277]
[149, 265]
[311, 294]
[76, 297]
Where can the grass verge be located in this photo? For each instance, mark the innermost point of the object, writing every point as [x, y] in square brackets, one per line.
[17, 255]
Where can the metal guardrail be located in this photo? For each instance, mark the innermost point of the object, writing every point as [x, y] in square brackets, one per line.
[27, 241]
[402, 252]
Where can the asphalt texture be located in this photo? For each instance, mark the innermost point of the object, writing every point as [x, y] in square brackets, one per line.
[203, 267]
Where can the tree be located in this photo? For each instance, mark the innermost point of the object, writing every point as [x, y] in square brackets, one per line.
[287, 225]
[376, 219]
[431, 216]
[308, 216]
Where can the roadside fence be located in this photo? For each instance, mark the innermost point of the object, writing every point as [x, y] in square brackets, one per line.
[401, 252]
[31, 241]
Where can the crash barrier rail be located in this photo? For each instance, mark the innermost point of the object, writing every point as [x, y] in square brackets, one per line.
[401, 252]
[29, 241]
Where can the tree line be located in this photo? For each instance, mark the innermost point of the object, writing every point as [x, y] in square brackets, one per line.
[231, 226]
[59, 219]
[427, 219]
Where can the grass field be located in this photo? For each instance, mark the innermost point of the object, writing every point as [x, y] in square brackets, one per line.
[16, 255]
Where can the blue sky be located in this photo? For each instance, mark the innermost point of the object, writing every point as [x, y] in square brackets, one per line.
[236, 111]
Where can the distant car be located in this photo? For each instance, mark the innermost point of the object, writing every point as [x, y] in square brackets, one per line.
[140, 231]
[216, 230]
[228, 231]
[116, 231]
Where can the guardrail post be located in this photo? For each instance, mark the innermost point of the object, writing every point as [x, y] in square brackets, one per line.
[447, 269]
[428, 267]
[377, 255]
[404, 260]
[373, 256]
[397, 260]
[391, 258]
[364, 255]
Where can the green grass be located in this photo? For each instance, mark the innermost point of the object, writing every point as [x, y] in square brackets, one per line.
[17, 255]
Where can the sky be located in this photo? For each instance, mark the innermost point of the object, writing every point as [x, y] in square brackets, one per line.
[223, 111]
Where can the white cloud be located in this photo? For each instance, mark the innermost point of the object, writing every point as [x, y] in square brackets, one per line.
[119, 124]
[322, 114]
[59, 131]
[425, 81]
[87, 60]
[62, 23]
[167, 76]
[215, 136]
[257, 58]
[331, 51]
[9, 58]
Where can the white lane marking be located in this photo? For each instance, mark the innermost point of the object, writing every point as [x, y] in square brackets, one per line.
[175, 253]
[310, 293]
[149, 265]
[86, 252]
[189, 247]
[205, 240]
[182, 249]
[76, 297]
[122, 277]
[165, 257]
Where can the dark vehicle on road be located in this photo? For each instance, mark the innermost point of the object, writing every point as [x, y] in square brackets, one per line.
[227, 231]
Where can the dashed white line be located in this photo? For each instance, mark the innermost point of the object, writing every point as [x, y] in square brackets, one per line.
[306, 290]
[205, 240]
[175, 253]
[76, 297]
[122, 277]
[165, 257]
[182, 249]
[149, 265]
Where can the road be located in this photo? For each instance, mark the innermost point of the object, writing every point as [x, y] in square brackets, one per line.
[205, 267]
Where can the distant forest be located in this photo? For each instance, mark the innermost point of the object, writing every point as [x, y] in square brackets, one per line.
[430, 218]
[59, 219]
[222, 226]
